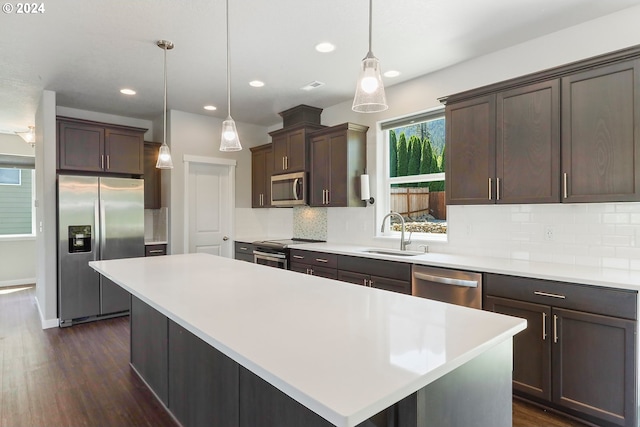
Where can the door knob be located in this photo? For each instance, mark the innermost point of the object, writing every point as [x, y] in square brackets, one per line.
[225, 238]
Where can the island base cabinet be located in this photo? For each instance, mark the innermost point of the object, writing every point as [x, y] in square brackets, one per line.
[203, 383]
[149, 345]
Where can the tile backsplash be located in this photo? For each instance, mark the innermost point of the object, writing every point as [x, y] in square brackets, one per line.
[309, 223]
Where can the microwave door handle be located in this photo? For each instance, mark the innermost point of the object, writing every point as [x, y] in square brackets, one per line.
[295, 188]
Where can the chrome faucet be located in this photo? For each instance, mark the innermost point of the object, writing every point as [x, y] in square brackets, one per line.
[403, 243]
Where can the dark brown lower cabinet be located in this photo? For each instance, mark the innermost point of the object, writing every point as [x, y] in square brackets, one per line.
[388, 275]
[394, 285]
[203, 383]
[580, 362]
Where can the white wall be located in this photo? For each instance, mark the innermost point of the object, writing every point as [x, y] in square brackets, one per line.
[199, 135]
[46, 265]
[18, 255]
[605, 234]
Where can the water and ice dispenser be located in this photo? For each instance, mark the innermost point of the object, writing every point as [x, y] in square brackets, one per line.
[79, 238]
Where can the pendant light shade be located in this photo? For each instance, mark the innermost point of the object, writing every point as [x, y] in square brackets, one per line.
[229, 140]
[164, 156]
[370, 97]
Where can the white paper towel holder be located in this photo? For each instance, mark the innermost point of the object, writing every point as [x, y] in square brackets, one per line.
[364, 188]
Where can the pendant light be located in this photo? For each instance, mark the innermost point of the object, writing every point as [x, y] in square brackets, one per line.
[164, 156]
[370, 96]
[229, 140]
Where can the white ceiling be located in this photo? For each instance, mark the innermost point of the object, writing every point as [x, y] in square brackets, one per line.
[86, 51]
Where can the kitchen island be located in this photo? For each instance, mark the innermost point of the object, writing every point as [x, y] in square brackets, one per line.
[286, 349]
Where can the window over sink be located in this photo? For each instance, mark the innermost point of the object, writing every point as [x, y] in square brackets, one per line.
[413, 177]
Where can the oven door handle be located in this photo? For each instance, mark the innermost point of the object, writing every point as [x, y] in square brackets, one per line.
[270, 256]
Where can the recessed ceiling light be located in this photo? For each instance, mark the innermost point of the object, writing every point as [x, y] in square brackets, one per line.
[256, 83]
[325, 47]
[127, 91]
[392, 73]
[210, 108]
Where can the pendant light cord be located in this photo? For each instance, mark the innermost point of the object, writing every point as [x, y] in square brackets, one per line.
[370, 22]
[228, 67]
[165, 95]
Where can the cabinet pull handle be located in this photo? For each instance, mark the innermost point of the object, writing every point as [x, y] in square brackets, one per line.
[108, 163]
[497, 188]
[286, 162]
[324, 197]
[490, 196]
[322, 260]
[547, 294]
[371, 283]
[311, 271]
[555, 328]
[156, 251]
[564, 184]
[298, 257]
[328, 198]
[101, 161]
[364, 282]
[544, 326]
[242, 248]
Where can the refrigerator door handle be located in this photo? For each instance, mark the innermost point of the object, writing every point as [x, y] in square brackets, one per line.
[97, 233]
[101, 232]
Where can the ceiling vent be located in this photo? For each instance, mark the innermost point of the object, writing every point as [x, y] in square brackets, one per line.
[313, 85]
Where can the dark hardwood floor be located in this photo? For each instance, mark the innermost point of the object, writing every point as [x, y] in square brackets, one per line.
[80, 376]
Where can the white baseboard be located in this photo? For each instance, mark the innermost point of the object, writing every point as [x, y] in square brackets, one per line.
[18, 282]
[46, 323]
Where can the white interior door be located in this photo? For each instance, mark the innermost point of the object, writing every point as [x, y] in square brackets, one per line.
[210, 207]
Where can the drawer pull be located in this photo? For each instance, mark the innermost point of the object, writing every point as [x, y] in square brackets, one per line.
[242, 248]
[298, 257]
[156, 251]
[322, 260]
[547, 294]
[544, 326]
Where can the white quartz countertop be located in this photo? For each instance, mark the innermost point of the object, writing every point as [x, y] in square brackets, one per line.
[346, 352]
[607, 277]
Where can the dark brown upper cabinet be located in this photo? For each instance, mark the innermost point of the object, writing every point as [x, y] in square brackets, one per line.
[471, 142]
[505, 147]
[600, 148]
[97, 147]
[528, 144]
[261, 171]
[338, 158]
[567, 134]
[152, 176]
[290, 149]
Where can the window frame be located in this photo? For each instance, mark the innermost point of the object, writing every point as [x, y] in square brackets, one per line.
[385, 181]
[32, 235]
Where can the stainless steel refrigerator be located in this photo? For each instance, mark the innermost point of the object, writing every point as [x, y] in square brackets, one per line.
[99, 218]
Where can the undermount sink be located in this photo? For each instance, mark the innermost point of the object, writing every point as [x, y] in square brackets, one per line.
[392, 252]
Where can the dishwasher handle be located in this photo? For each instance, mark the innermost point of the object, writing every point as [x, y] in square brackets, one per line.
[445, 280]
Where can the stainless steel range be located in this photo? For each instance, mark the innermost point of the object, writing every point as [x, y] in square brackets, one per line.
[275, 253]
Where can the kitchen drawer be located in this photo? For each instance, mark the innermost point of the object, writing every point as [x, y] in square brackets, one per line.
[155, 250]
[316, 259]
[244, 251]
[375, 267]
[593, 299]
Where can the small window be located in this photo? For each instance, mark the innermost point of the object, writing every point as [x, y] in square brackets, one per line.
[16, 202]
[415, 179]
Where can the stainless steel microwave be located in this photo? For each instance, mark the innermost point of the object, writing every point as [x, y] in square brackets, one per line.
[289, 189]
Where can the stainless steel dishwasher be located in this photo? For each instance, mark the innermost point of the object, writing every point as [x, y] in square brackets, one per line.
[446, 285]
